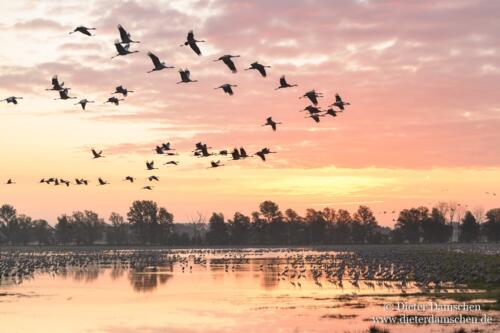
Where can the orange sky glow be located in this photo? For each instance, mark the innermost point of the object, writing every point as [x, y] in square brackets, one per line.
[422, 78]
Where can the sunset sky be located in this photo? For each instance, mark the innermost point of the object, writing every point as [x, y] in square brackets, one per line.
[422, 77]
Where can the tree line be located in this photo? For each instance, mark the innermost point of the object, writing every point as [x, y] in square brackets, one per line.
[148, 224]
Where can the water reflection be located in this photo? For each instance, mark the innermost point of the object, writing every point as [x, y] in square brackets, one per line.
[147, 281]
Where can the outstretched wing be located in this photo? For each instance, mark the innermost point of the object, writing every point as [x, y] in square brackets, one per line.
[154, 59]
[123, 33]
[195, 47]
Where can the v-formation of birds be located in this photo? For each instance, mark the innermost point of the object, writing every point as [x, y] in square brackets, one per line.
[122, 46]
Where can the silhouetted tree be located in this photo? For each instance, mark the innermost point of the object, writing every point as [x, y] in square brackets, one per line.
[43, 233]
[296, 228]
[363, 225]
[239, 229]
[217, 230]
[491, 227]
[118, 232]
[434, 227]
[64, 230]
[8, 216]
[318, 231]
[469, 229]
[342, 227]
[409, 223]
[151, 225]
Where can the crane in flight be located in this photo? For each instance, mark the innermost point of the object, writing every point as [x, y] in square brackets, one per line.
[215, 164]
[150, 165]
[84, 103]
[129, 179]
[185, 76]
[339, 102]
[10, 182]
[226, 59]
[158, 65]
[96, 154]
[148, 187]
[63, 94]
[114, 100]
[83, 30]
[227, 88]
[260, 68]
[122, 50]
[191, 41]
[11, 99]
[122, 90]
[284, 84]
[56, 86]
[125, 35]
[313, 96]
[102, 182]
[271, 122]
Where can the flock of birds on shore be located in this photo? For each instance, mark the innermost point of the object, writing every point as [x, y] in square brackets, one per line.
[201, 149]
[395, 271]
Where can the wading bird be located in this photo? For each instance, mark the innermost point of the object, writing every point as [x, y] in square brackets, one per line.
[63, 94]
[226, 59]
[271, 122]
[158, 65]
[191, 41]
[83, 30]
[125, 35]
[284, 84]
[185, 76]
[122, 90]
[313, 96]
[96, 154]
[227, 88]
[122, 50]
[339, 102]
[84, 102]
[258, 67]
[114, 100]
[11, 99]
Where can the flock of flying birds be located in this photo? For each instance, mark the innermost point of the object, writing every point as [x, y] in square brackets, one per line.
[201, 149]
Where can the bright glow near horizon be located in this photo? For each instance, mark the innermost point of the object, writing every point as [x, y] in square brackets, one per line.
[422, 79]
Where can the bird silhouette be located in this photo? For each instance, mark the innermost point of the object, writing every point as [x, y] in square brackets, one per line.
[150, 165]
[331, 112]
[56, 85]
[84, 102]
[260, 68]
[97, 154]
[284, 84]
[125, 36]
[114, 100]
[122, 90]
[151, 178]
[313, 96]
[148, 187]
[172, 162]
[83, 30]
[314, 116]
[339, 102]
[63, 94]
[215, 164]
[166, 146]
[226, 59]
[122, 50]
[158, 65]
[185, 76]
[227, 88]
[191, 41]
[11, 99]
[10, 182]
[129, 178]
[271, 122]
[102, 181]
[311, 109]
[263, 152]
